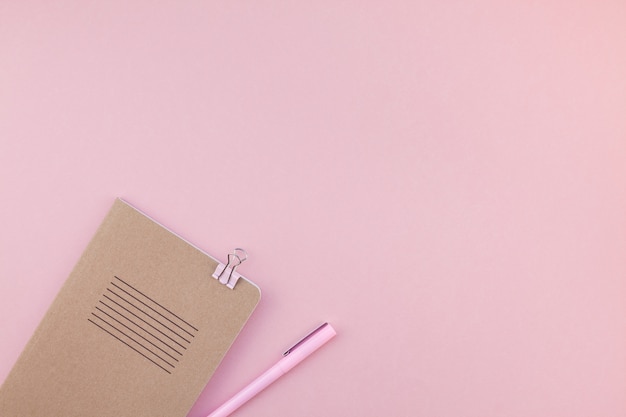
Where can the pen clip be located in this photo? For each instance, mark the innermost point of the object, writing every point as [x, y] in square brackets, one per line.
[304, 339]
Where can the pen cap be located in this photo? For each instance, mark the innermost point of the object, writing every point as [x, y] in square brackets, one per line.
[306, 347]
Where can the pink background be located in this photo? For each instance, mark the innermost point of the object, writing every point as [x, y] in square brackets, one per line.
[443, 181]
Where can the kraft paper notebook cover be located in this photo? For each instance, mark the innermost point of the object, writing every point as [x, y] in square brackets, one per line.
[137, 329]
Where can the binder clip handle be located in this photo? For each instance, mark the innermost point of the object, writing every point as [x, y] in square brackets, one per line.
[239, 256]
[235, 258]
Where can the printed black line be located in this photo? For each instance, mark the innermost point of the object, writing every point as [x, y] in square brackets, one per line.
[162, 324]
[129, 346]
[121, 306]
[145, 330]
[139, 343]
[122, 289]
[184, 321]
[104, 312]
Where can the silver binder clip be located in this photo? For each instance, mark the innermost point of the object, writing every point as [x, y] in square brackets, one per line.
[226, 274]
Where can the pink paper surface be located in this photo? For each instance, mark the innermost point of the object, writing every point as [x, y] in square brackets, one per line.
[442, 181]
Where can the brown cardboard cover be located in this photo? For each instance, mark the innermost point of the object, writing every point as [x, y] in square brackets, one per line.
[137, 329]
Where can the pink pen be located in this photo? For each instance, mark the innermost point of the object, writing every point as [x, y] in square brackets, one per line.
[293, 356]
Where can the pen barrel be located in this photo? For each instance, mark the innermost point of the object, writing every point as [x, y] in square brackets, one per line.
[252, 389]
[295, 356]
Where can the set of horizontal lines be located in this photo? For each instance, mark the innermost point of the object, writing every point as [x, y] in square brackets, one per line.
[143, 324]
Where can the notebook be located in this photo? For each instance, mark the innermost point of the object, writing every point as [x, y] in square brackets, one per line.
[137, 329]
